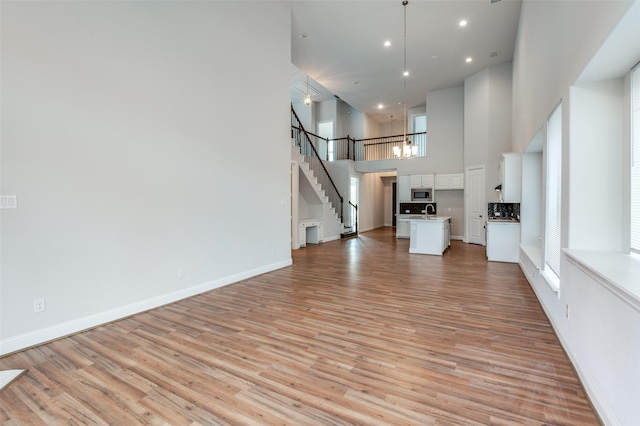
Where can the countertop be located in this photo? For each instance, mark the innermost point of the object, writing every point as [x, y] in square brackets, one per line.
[503, 220]
[422, 218]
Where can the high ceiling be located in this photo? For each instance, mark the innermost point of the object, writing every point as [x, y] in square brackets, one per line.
[340, 45]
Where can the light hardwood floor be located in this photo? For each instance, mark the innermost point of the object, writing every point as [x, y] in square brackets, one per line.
[355, 332]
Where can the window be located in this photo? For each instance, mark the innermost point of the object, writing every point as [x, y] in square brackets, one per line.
[353, 197]
[325, 130]
[635, 159]
[554, 192]
[420, 125]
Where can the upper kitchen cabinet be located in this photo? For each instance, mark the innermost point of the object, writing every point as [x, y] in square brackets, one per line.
[422, 181]
[404, 189]
[511, 177]
[449, 181]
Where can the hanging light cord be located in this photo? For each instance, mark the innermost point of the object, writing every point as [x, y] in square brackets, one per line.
[404, 72]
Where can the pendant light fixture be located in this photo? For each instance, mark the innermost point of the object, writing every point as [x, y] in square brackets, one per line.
[307, 97]
[407, 150]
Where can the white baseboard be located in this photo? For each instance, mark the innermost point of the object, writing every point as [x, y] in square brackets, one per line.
[592, 391]
[457, 237]
[38, 337]
[371, 228]
[8, 376]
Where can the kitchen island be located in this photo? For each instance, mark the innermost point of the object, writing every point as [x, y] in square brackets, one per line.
[430, 235]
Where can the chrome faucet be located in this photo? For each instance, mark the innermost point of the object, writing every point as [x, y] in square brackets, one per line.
[426, 210]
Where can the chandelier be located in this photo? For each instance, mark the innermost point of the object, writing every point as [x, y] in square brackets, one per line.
[407, 150]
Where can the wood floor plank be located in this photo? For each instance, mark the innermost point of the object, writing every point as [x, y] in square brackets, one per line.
[354, 332]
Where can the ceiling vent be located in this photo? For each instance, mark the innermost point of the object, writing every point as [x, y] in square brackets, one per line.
[495, 1]
[494, 54]
[301, 87]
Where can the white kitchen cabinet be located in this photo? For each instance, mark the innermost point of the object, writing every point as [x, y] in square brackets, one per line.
[422, 181]
[449, 181]
[403, 228]
[404, 189]
[511, 177]
[503, 241]
[446, 236]
[310, 231]
[430, 236]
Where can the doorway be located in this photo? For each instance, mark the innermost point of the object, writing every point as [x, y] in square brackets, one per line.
[393, 205]
[354, 198]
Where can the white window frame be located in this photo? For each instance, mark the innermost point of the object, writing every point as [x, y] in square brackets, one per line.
[420, 142]
[635, 160]
[553, 216]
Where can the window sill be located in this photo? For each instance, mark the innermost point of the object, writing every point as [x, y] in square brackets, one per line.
[619, 272]
[534, 254]
[552, 279]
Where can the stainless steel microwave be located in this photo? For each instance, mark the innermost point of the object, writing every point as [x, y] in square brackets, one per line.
[422, 194]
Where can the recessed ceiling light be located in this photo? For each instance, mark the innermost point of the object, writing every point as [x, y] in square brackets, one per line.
[304, 35]
[463, 23]
[434, 56]
[406, 73]
[468, 60]
[387, 43]
[380, 106]
[355, 82]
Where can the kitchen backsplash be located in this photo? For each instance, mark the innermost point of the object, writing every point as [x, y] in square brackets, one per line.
[417, 208]
[504, 210]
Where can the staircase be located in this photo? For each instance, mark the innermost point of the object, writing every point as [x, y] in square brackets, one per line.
[333, 222]
[318, 180]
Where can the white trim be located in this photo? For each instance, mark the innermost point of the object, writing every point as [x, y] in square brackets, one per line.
[38, 337]
[551, 279]
[8, 376]
[591, 389]
[371, 228]
[617, 272]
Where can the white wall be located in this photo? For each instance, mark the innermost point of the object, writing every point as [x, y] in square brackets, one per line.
[595, 165]
[445, 118]
[600, 335]
[350, 121]
[305, 115]
[451, 203]
[445, 130]
[119, 137]
[487, 122]
[325, 111]
[372, 199]
[543, 68]
[371, 127]
[396, 127]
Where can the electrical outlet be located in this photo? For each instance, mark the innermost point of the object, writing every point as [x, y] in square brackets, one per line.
[39, 305]
[8, 202]
[180, 272]
[567, 311]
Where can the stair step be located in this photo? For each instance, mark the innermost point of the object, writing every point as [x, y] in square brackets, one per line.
[347, 235]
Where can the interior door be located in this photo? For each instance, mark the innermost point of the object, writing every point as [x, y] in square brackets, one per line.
[476, 208]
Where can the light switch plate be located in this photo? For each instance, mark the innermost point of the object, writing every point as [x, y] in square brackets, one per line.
[8, 202]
